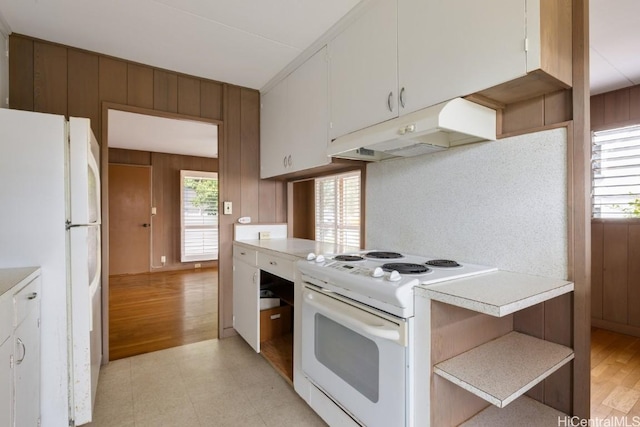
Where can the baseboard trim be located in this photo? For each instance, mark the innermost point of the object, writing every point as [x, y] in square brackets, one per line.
[616, 327]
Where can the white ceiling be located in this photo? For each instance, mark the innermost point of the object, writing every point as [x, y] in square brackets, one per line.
[244, 42]
[247, 42]
[162, 135]
[615, 44]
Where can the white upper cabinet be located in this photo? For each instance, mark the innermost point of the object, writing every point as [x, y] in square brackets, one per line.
[451, 48]
[294, 120]
[364, 70]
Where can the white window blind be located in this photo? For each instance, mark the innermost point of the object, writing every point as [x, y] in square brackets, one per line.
[615, 166]
[199, 212]
[337, 208]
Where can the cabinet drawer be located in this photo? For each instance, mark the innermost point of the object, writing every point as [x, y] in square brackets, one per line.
[275, 322]
[6, 317]
[26, 300]
[276, 265]
[247, 255]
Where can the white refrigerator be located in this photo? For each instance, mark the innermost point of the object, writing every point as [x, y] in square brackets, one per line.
[50, 217]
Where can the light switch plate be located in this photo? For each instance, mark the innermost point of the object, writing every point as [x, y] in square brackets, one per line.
[264, 235]
[228, 208]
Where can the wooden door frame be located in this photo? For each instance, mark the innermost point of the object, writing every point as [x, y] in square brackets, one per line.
[104, 166]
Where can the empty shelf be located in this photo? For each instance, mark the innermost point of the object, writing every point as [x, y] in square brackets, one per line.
[503, 369]
[523, 412]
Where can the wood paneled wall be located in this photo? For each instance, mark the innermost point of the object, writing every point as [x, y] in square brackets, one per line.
[536, 113]
[615, 275]
[615, 109]
[52, 78]
[304, 225]
[165, 196]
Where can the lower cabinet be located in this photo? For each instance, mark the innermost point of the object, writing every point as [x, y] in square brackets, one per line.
[6, 383]
[268, 327]
[20, 351]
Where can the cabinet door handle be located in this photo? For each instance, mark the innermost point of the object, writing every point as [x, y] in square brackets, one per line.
[289, 159]
[255, 277]
[284, 161]
[24, 351]
[389, 101]
[402, 97]
[33, 295]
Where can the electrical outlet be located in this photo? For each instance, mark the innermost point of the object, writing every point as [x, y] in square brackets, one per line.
[163, 259]
[198, 265]
[154, 210]
[228, 208]
[264, 235]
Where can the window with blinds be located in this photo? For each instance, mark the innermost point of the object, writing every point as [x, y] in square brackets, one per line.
[338, 209]
[615, 166]
[199, 213]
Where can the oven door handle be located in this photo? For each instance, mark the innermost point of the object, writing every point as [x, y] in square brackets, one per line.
[378, 331]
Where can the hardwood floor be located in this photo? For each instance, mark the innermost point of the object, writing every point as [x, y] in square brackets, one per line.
[615, 376]
[154, 311]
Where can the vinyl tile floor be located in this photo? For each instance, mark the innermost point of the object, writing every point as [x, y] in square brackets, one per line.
[209, 383]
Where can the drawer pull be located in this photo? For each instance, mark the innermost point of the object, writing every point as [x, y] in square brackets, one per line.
[33, 295]
[273, 263]
[24, 352]
[243, 253]
[274, 316]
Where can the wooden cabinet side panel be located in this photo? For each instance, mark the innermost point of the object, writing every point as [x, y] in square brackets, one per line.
[556, 39]
[634, 275]
[558, 319]
[113, 80]
[165, 91]
[50, 78]
[614, 280]
[597, 111]
[139, 86]
[20, 73]
[83, 86]
[596, 269]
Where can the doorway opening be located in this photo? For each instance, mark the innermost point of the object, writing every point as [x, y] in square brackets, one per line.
[162, 231]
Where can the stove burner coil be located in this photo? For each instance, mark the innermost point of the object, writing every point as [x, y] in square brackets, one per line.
[348, 258]
[405, 268]
[447, 263]
[383, 255]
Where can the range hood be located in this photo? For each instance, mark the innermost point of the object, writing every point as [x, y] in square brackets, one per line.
[436, 128]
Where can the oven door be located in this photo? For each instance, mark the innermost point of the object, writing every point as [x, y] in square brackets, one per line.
[356, 357]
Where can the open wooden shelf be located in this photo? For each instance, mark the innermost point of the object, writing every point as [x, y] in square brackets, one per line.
[501, 370]
[279, 353]
[522, 412]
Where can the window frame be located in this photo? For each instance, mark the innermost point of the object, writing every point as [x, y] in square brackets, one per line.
[213, 256]
[360, 228]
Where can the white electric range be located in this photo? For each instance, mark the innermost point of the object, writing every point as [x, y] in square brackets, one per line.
[357, 330]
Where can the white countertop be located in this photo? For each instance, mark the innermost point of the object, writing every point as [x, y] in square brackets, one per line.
[497, 293]
[296, 248]
[9, 277]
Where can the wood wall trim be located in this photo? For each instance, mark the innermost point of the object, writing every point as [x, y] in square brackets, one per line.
[580, 225]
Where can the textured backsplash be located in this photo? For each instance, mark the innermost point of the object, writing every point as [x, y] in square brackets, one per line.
[500, 203]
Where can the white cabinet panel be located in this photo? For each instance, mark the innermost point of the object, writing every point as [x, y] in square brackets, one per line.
[309, 113]
[294, 120]
[6, 374]
[274, 131]
[27, 370]
[364, 71]
[451, 48]
[246, 302]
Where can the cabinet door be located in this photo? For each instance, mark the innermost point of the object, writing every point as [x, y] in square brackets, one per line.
[27, 370]
[309, 113]
[363, 70]
[6, 375]
[451, 48]
[274, 133]
[246, 302]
